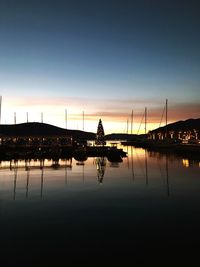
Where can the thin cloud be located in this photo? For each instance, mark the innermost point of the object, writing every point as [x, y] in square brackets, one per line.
[101, 102]
[113, 110]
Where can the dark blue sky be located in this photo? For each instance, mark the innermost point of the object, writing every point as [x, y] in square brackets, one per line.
[139, 51]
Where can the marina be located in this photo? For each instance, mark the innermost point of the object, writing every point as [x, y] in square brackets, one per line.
[48, 205]
[99, 133]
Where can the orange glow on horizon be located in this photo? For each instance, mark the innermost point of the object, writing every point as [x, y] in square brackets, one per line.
[114, 118]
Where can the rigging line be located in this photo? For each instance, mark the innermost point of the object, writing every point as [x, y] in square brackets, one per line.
[140, 124]
[162, 117]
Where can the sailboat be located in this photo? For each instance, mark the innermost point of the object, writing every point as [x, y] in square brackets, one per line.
[137, 139]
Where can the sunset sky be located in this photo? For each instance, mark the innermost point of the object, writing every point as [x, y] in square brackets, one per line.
[103, 57]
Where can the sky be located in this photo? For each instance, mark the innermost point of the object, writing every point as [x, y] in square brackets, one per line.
[101, 57]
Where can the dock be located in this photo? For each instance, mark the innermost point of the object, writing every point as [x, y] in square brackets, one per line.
[81, 153]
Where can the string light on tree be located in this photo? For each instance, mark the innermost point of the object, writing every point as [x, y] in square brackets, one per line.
[100, 140]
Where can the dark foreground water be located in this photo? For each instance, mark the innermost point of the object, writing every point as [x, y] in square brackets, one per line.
[145, 208]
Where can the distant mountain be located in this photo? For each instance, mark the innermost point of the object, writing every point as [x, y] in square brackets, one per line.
[42, 129]
[119, 136]
[189, 124]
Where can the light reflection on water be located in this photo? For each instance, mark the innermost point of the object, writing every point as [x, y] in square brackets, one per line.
[141, 172]
[48, 209]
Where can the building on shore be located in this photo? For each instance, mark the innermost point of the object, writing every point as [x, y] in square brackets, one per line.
[183, 132]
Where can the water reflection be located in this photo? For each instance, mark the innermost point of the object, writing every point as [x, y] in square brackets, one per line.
[101, 166]
[167, 176]
[15, 179]
[42, 181]
[149, 198]
[132, 164]
[146, 168]
[25, 178]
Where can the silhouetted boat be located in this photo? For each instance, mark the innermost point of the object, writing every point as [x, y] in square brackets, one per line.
[115, 155]
[80, 154]
[55, 165]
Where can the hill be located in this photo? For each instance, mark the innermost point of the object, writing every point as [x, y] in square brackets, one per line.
[119, 136]
[186, 125]
[42, 129]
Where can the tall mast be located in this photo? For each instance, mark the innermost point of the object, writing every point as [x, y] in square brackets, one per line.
[83, 120]
[66, 117]
[0, 107]
[127, 126]
[27, 117]
[41, 117]
[15, 119]
[166, 115]
[132, 122]
[145, 120]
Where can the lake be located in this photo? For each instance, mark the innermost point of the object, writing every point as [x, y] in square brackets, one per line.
[74, 210]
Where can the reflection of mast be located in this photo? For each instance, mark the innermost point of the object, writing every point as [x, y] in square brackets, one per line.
[42, 177]
[146, 168]
[127, 157]
[138, 159]
[167, 175]
[66, 171]
[100, 165]
[66, 167]
[132, 166]
[15, 179]
[27, 180]
[83, 174]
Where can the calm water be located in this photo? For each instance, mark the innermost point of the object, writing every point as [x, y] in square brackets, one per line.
[72, 211]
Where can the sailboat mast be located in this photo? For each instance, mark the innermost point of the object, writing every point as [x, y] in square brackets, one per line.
[66, 117]
[83, 120]
[0, 107]
[166, 115]
[145, 120]
[132, 122]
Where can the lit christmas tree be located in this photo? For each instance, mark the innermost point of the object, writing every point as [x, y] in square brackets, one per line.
[100, 135]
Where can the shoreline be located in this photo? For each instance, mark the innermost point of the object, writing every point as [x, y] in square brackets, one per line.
[184, 149]
[80, 153]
